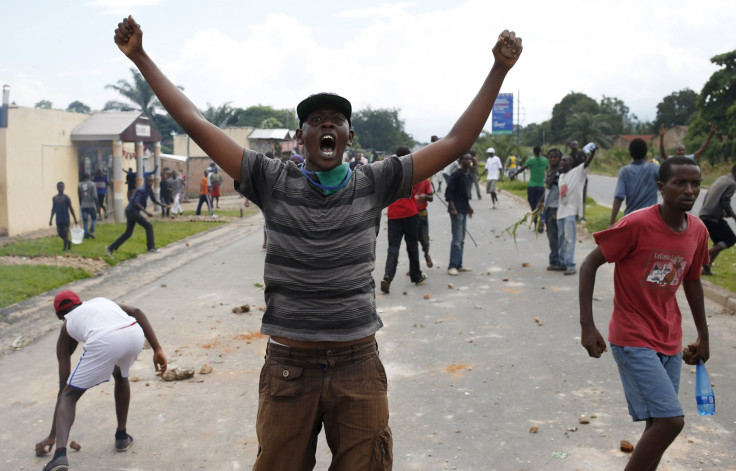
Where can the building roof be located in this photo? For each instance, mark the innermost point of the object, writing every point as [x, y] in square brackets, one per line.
[129, 126]
[180, 158]
[279, 134]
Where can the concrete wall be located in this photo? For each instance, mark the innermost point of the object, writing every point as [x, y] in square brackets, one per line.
[199, 161]
[35, 153]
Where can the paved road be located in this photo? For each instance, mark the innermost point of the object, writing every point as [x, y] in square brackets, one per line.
[470, 369]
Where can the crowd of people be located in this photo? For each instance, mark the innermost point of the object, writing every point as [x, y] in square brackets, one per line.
[322, 216]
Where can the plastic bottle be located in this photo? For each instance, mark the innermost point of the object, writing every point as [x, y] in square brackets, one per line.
[704, 391]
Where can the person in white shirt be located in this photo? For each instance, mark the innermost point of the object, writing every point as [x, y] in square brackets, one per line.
[492, 172]
[113, 337]
[571, 183]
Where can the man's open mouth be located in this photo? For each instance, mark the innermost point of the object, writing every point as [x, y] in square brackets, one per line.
[327, 145]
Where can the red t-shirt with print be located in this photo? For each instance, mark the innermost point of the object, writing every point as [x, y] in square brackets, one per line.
[651, 262]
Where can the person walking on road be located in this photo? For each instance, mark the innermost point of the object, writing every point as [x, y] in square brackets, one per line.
[88, 205]
[133, 216]
[654, 251]
[101, 183]
[457, 196]
[572, 182]
[113, 337]
[550, 201]
[322, 367]
[492, 170]
[204, 195]
[61, 206]
[716, 207]
[403, 223]
[176, 185]
[422, 195]
[637, 182]
[537, 166]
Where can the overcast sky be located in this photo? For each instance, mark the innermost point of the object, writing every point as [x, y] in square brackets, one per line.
[426, 58]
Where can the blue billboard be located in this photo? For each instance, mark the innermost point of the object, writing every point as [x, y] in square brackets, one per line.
[503, 114]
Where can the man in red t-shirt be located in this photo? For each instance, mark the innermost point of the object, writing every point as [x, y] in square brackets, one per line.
[421, 193]
[403, 222]
[655, 250]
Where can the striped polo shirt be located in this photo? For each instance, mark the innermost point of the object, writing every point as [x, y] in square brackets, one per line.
[321, 248]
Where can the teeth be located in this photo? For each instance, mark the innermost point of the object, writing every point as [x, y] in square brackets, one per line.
[328, 137]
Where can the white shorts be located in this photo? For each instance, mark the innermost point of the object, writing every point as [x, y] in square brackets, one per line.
[99, 358]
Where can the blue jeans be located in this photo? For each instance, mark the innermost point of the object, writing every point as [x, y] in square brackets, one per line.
[566, 228]
[459, 224]
[550, 215]
[88, 213]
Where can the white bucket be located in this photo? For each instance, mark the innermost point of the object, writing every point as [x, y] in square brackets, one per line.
[77, 235]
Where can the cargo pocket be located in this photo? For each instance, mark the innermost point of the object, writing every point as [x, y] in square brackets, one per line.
[382, 458]
[285, 380]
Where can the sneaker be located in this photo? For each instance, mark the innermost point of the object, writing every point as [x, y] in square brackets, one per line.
[570, 271]
[556, 268]
[58, 464]
[706, 270]
[421, 282]
[153, 250]
[122, 444]
[108, 250]
[464, 269]
[428, 259]
[452, 272]
[385, 285]
[91, 236]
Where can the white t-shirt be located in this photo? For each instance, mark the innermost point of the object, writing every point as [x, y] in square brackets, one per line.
[571, 191]
[94, 318]
[493, 167]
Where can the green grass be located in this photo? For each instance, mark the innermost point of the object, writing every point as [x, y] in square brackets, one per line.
[724, 269]
[24, 281]
[165, 232]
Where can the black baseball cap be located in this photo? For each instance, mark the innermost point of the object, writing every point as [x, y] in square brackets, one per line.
[309, 104]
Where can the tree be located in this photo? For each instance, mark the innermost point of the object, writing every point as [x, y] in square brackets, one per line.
[113, 105]
[616, 114]
[43, 104]
[271, 123]
[165, 125]
[677, 108]
[535, 134]
[138, 92]
[587, 127]
[254, 116]
[381, 129]
[78, 107]
[503, 144]
[570, 105]
[717, 101]
[220, 116]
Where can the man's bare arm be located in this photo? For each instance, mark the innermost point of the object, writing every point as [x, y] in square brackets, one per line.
[159, 359]
[432, 158]
[590, 337]
[713, 130]
[662, 131]
[615, 208]
[694, 294]
[213, 140]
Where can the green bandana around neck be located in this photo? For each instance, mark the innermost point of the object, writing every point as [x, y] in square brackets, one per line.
[333, 178]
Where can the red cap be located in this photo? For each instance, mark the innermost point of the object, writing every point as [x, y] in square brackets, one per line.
[65, 299]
